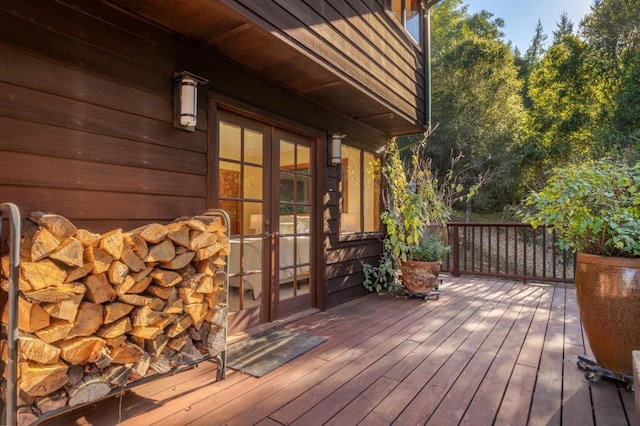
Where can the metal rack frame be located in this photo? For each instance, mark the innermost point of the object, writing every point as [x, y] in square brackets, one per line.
[10, 409]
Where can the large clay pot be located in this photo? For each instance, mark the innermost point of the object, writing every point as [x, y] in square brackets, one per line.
[608, 293]
[420, 277]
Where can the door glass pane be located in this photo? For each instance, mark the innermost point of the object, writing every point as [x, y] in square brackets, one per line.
[287, 155]
[253, 182]
[233, 209]
[303, 160]
[303, 189]
[230, 141]
[229, 179]
[253, 146]
[371, 199]
[252, 218]
[287, 180]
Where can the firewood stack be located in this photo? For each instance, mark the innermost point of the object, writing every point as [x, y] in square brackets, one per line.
[96, 312]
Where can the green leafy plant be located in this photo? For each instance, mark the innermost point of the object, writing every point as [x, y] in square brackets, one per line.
[413, 199]
[594, 207]
[431, 249]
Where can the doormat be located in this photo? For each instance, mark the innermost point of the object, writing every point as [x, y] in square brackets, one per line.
[268, 350]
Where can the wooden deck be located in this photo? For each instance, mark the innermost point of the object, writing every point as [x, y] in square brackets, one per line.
[487, 352]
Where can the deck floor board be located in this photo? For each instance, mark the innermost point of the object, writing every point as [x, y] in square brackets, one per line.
[486, 352]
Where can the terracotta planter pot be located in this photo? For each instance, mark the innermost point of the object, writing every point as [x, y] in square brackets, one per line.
[420, 277]
[608, 293]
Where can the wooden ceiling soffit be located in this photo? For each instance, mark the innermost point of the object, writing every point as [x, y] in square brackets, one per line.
[225, 35]
[317, 87]
[376, 117]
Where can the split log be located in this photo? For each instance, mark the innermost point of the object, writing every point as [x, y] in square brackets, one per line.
[80, 350]
[59, 226]
[92, 388]
[197, 311]
[88, 320]
[190, 295]
[180, 326]
[145, 316]
[57, 293]
[104, 359]
[117, 272]
[78, 273]
[98, 288]
[166, 320]
[127, 354]
[152, 233]
[155, 346]
[31, 317]
[40, 244]
[115, 310]
[53, 401]
[42, 379]
[42, 274]
[198, 240]
[57, 331]
[140, 368]
[147, 333]
[75, 374]
[37, 350]
[70, 252]
[161, 292]
[116, 341]
[134, 299]
[142, 274]
[205, 286]
[115, 329]
[193, 224]
[161, 252]
[137, 243]
[140, 286]
[209, 251]
[64, 310]
[176, 307]
[87, 238]
[100, 259]
[131, 259]
[112, 243]
[165, 278]
[177, 343]
[179, 261]
[178, 233]
[116, 375]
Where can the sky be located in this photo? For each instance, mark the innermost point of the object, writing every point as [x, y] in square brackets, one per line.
[521, 16]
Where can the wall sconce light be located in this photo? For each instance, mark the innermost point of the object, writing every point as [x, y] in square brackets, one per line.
[185, 95]
[335, 148]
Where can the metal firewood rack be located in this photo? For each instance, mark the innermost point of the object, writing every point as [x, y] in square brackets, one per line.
[9, 410]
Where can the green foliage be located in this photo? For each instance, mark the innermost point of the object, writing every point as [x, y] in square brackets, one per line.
[430, 249]
[594, 207]
[413, 199]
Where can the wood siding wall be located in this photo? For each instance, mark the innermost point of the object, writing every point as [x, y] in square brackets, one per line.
[86, 126]
[358, 39]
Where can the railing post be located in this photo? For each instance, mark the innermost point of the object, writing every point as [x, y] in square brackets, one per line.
[455, 269]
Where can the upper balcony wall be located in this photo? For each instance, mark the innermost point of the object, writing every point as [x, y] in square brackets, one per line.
[356, 40]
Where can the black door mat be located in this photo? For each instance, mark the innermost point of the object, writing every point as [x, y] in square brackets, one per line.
[264, 352]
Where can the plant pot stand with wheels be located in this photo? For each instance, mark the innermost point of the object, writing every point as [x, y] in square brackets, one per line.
[594, 372]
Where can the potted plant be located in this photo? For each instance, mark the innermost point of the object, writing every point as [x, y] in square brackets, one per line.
[413, 201]
[424, 260]
[594, 208]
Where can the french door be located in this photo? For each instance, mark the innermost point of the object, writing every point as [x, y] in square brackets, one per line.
[265, 181]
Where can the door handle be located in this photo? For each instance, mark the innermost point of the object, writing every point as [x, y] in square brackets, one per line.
[266, 235]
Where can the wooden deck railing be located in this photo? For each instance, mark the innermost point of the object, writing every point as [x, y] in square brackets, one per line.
[509, 250]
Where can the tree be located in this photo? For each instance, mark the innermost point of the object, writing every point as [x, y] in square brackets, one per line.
[476, 98]
[564, 28]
